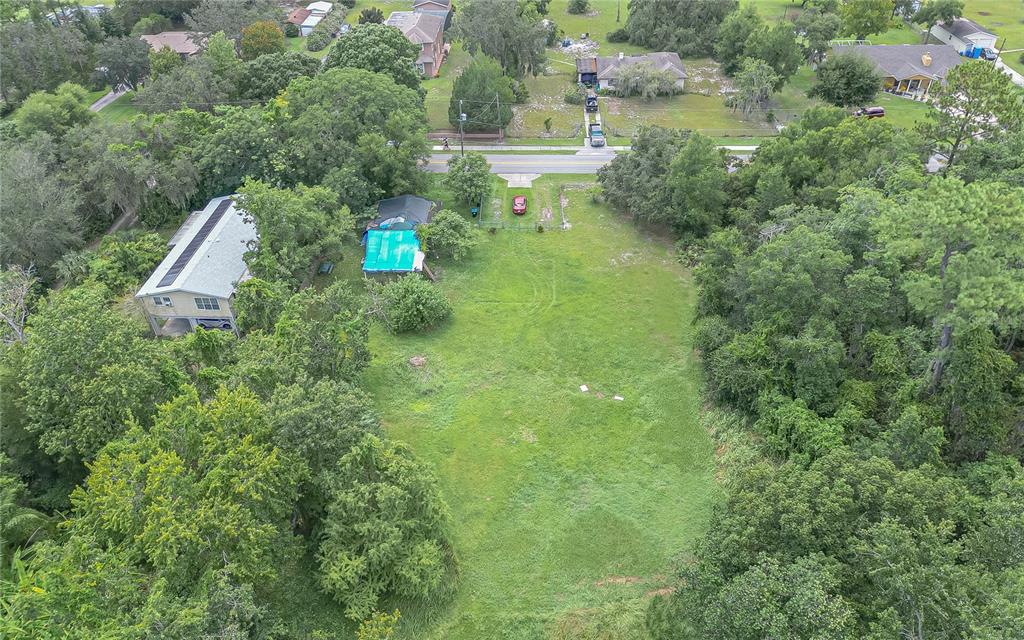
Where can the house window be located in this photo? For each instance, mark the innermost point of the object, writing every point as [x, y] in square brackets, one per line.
[208, 304]
[162, 301]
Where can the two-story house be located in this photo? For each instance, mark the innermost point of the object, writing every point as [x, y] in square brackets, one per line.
[425, 30]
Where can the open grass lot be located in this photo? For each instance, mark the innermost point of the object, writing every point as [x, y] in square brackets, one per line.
[439, 89]
[120, 110]
[566, 507]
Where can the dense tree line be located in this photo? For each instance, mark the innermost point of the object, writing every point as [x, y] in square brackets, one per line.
[859, 325]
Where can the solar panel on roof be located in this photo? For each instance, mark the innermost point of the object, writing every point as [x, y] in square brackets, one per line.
[194, 243]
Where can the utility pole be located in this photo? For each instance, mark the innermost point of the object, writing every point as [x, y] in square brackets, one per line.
[462, 136]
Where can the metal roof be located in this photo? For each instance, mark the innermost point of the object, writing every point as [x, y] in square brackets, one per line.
[962, 27]
[208, 259]
[392, 251]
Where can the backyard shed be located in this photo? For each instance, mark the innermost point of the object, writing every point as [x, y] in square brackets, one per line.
[392, 252]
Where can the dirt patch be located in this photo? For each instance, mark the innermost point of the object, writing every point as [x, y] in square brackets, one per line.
[618, 580]
[984, 13]
[664, 591]
[417, 361]
[525, 435]
[545, 214]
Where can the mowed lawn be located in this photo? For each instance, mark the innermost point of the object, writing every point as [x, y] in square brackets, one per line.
[567, 507]
[1005, 18]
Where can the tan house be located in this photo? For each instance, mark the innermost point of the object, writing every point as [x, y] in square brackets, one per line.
[425, 30]
[195, 284]
[907, 69]
[184, 43]
[601, 71]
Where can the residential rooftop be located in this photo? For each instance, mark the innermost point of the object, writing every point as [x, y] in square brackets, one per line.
[419, 28]
[907, 60]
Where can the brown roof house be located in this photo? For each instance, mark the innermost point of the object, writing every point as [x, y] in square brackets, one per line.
[907, 69]
[425, 30]
[184, 43]
[601, 71]
[440, 8]
[298, 16]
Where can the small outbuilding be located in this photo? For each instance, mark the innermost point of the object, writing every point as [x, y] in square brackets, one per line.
[964, 35]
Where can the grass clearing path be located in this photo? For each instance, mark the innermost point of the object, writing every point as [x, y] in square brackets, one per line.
[567, 507]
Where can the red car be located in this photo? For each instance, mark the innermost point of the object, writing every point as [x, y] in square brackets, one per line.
[519, 205]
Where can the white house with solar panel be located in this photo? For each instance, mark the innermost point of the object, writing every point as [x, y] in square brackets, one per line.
[194, 285]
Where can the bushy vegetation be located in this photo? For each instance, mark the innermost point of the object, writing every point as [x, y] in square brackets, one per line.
[448, 235]
[409, 303]
[843, 319]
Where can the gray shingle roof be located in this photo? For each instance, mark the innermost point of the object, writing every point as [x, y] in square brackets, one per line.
[414, 209]
[662, 60]
[905, 60]
[419, 28]
[962, 27]
[217, 265]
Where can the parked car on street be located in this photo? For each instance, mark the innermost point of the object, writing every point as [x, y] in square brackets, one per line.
[870, 112]
[519, 205]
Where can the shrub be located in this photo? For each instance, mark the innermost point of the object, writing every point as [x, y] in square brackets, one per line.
[519, 92]
[448, 234]
[619, 35]
[326, 29]
[291, 30]
[408, 304]
[579, 6]
[371, 15]
[347, 3]
[574, 94]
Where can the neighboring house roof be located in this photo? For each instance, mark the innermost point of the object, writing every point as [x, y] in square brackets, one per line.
[208, 257]
[431, 4]
[312, 20]
[419, 28]
[667, 61]
[905, 60]
[962, 27]
[586, 65]
[320, 7]
[389, 251]
[181, 42]
[411, 209]
[297, 16]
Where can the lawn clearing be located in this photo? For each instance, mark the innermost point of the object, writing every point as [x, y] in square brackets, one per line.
[567, 507]
[120, 110]
[1005, 18]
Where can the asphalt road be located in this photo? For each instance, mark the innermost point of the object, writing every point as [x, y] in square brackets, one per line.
[532, 162]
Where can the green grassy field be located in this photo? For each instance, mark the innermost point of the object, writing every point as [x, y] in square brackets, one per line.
[567, 507]
[120, 110]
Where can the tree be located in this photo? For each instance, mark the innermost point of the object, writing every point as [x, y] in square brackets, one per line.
[408, 304]
[635, 182]
[645, 80]
[258, 303]
[371, 15]
[380, 48]
[55, 112]
[365, 551]
[688, 28]
[297, 228]
[755, 83]
[150, 24]
[819, 30]
[89, 371]
[17, 291]
[578, 7]
[510, 33]
[163, 61]
[697, 178]
[448, 234]
[846, 80]
[39, 212]
[977, 99]
[231, 16]
[958, 241]
[733, 34]
[194, 85]
[125, 61]
[778, 47]
[469, 177]
[484, 94]
[269, 75]
[261, 38]
[40, 57]
[359, 117]
[935, 11]
[379, 626]
[131, 11]
[862, 18]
